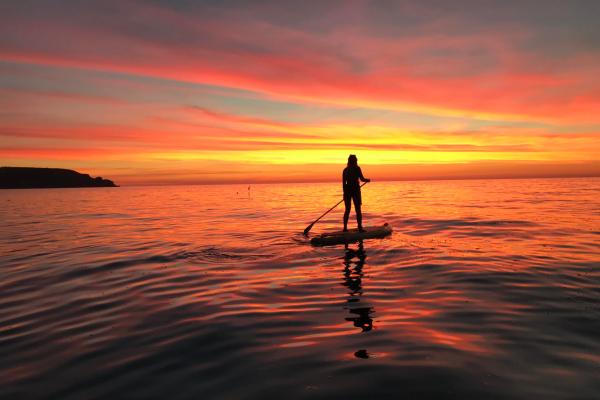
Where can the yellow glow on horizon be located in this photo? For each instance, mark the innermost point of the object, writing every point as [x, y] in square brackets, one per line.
[366, 156]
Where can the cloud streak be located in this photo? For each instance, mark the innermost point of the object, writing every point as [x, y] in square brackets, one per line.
[480, 73]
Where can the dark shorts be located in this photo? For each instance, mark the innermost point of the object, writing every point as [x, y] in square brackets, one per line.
[352, 197]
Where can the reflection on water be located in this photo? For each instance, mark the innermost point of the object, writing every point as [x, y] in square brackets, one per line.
[354, 260]
[485, 290]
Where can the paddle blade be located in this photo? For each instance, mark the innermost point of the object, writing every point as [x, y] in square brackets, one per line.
[308, 228]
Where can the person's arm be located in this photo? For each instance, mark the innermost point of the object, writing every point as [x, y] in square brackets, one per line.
[344, 181]
[362, 178]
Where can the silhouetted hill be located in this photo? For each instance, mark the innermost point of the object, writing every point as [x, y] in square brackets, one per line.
[25, 177]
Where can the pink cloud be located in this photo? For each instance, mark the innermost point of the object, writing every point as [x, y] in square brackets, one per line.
[479, 74]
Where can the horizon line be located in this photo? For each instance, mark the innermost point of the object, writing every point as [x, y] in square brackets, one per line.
[212, 183]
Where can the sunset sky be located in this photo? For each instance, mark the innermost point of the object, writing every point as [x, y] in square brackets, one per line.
[262, 91]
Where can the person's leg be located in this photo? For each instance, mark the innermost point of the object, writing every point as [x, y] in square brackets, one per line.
[346, 211]
[357, 207]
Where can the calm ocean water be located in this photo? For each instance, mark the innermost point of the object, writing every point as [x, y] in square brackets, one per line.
[486, 290]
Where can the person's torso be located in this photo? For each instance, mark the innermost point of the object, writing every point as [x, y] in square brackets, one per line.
[352, 175]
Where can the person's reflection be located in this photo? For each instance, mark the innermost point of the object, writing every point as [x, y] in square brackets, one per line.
[353, 274]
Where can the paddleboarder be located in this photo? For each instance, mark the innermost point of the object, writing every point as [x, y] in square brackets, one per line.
[350, 182]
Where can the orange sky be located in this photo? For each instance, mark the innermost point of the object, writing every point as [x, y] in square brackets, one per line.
[176, 92]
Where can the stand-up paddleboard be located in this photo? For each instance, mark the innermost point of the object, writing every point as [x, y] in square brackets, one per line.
[353, 235]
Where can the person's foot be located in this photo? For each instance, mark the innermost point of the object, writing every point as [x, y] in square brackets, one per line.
[345, 230]
[361, 229]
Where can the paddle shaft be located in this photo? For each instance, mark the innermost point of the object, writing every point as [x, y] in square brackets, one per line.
[308, 228]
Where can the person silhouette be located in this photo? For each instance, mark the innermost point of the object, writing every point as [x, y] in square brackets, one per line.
[350, 182]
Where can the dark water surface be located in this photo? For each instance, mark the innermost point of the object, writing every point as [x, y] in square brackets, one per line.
[486, 289]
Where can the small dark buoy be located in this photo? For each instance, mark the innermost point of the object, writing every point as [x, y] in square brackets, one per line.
[361, 354]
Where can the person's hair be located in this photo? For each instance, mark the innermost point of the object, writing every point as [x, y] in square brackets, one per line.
[352, 160]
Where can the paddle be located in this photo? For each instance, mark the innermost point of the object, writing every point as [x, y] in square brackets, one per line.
[308, 228]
